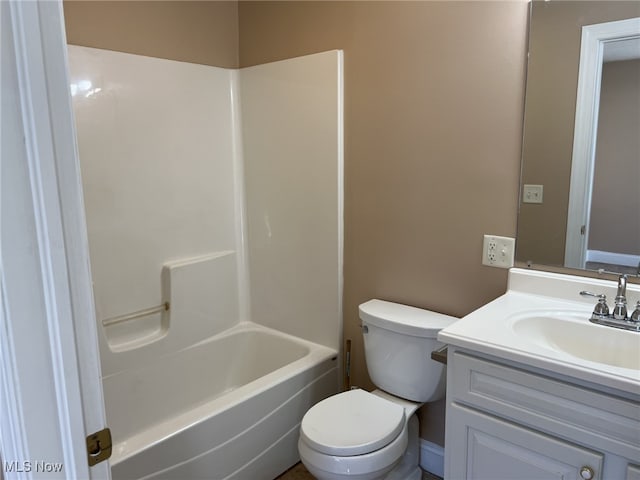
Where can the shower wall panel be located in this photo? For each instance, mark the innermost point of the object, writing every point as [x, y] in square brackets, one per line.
[292, 140]
[157, 161]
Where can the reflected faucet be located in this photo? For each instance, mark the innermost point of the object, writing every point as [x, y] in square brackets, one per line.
[620, 310]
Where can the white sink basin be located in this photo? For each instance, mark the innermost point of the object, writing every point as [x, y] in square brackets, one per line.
[572, 333]
[543, 322]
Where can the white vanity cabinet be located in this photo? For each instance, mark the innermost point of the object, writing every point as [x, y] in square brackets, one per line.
[506, 420]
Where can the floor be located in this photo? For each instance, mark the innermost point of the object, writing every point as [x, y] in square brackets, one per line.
[298, 472]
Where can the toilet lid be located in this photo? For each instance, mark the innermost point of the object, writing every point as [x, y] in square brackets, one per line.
[352, 423]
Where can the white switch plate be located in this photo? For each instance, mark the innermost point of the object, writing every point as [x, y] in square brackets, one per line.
[532, 193]
[498, 251]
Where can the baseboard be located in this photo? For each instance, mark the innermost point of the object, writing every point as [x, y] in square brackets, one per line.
[431, 457]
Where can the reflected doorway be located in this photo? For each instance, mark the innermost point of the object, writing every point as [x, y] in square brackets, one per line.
[603, 224]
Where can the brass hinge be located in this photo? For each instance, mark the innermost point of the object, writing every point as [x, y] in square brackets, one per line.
[99, 446]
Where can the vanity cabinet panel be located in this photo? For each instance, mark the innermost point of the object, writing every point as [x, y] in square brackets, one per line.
[495, 449]
[558, 407]
[507, 420]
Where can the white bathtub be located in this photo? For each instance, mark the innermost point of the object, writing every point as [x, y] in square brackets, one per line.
[226, 408]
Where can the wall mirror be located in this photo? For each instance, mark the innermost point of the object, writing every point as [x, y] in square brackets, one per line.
[580, 185]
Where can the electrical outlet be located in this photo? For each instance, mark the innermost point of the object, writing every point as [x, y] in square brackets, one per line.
[498, 251]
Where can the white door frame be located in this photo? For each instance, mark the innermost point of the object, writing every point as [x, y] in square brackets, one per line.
[594, 38]
[50, 386]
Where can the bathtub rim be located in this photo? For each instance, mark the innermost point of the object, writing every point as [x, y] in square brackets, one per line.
[149, 437]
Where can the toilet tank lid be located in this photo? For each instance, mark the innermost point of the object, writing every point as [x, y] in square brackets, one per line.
[404, 319]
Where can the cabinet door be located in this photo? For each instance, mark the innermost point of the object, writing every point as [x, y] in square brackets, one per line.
[482, 447]
[633, 472]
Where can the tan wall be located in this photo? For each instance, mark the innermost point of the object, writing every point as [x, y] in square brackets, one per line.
[204, 32]
[556, 29]
[615, 221]
[433, 124]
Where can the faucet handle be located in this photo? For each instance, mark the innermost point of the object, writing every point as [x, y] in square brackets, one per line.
[601, 309]
[635, 316]
[620, 309]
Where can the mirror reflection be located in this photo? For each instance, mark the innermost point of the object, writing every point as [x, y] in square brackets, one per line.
[613, 236]
[580, 198]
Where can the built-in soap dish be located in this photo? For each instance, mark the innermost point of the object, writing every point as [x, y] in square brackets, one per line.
[199, 296]
[137, 329]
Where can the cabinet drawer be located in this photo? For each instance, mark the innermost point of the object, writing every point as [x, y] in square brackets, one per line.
[564, 410]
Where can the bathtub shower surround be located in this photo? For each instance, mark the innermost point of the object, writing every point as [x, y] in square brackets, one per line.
[246, 249]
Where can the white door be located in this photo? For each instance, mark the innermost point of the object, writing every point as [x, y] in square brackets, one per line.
[50, 389]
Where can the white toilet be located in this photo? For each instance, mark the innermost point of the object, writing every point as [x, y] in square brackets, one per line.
[366, 436]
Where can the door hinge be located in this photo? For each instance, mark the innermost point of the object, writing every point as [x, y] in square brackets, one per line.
[583, 230]
[99, 446]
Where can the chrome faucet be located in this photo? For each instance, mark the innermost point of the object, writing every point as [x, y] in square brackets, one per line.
[618, 318]
[620, 310]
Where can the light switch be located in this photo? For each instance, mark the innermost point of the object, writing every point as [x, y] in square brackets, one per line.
[532, 193]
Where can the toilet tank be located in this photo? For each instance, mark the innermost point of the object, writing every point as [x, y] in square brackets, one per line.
[398, 341]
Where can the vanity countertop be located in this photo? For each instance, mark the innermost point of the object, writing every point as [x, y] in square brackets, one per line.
[543, 322]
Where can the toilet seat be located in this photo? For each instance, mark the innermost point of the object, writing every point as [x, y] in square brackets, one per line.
[351, 423]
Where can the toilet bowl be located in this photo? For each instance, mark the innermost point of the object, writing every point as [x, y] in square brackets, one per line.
[374, 435]
[356, 434]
